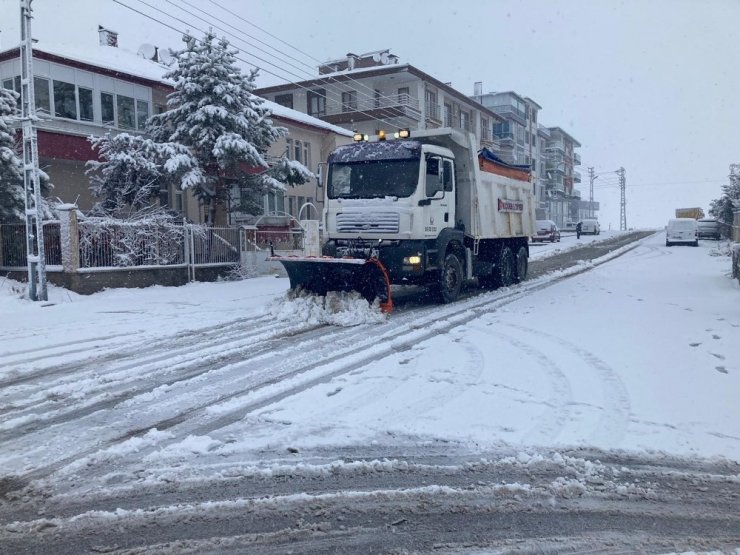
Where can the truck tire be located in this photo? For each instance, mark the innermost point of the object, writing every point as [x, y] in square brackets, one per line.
[450, 279]
[504, 273]
[522, 265]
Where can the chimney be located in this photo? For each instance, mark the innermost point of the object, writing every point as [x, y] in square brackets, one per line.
[107, 37]
[478, 88]
[351, 61]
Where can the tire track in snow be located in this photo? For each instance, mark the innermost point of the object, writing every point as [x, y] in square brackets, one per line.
[270, 390]
[614, 419]
[129, 351]
[553, 420]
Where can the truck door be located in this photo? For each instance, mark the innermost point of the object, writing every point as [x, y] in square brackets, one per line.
[439, 204]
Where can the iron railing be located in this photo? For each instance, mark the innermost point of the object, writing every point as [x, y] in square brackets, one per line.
[120, 245]
[214, 245]
[13, 245]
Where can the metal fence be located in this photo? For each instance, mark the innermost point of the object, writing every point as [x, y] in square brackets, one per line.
[117, 245]
[13, 245]
[214, 245]
[111, 244]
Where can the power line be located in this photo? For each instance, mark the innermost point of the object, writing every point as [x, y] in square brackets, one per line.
[326, 79]
[237, 57]
[210, 23]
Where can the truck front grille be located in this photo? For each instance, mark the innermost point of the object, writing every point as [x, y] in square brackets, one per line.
[368, 222]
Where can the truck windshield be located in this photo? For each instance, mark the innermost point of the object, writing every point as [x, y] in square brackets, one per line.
[373, 179]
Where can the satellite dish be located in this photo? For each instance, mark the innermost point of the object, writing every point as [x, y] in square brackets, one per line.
[148, 51]
[376, 57]
[384, 58]
[165, 56]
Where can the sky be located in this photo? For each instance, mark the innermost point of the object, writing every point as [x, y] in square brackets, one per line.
[648, 85]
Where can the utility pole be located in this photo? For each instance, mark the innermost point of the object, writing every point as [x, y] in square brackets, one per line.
[591, 178]
[35, 255]
[623, 201]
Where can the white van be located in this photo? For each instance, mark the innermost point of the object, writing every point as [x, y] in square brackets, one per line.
[683, 231]
[590, 226]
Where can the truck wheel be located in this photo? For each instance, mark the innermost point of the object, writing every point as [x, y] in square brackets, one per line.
[450, 279]
[505, 271]
[522, 265]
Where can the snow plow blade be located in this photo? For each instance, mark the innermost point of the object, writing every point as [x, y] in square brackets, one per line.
[322, 274]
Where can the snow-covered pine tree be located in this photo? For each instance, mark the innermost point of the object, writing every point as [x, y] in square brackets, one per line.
[132, 170]
[12, 204]
[12, 188]
[723, 208]
[227, 128]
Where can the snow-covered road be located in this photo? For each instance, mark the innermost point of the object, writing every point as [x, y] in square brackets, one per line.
[135, 398]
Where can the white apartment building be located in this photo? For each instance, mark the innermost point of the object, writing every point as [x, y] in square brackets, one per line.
[372, 92]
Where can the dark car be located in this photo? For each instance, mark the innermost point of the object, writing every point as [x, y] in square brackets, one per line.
[709, 228]
[546, 231]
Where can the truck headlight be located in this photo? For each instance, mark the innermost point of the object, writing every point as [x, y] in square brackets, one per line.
[412, 260]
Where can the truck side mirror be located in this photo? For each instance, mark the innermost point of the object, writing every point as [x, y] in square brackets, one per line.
[320, 174]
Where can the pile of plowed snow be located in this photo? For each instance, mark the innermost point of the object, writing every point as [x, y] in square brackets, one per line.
[337, 308]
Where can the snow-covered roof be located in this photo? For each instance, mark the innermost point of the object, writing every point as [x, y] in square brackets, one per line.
[124, 61]
[391, 67]
[295, 115]
[108, 57]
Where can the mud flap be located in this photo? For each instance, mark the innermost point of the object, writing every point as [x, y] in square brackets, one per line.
[320, 275]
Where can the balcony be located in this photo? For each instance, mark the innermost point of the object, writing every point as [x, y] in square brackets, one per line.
[576, 177]
[505, 138]
[509, 111]
[393, 106]
[576, 159]
[575, 193]
[432, 114]
[554, 146]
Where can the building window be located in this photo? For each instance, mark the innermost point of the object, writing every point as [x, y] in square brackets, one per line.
[484, 129]
[142, 114]
[316, 100]
[14, 84]
[106, 107]
[349, 101]
[86, 104]
[404, 94]
[43, 98]
[125, 106]
[448, 115]
[274, 202]
[300, 151]
[430, 101]
[465, 121]
[284, 100]
[65, 100]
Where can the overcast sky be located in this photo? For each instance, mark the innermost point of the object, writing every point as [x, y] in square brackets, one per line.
[651, 85]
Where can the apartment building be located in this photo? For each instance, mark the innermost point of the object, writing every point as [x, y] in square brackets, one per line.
[372, 91]
[561, 176]
[517, 134]
[99, 88]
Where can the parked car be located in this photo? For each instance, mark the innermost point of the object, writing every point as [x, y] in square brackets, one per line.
[570, 225]
[709, 228]
[547, 231]
[683, 231]
[590, 226]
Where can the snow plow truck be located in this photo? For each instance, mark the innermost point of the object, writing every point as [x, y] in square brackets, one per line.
[426, 209]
